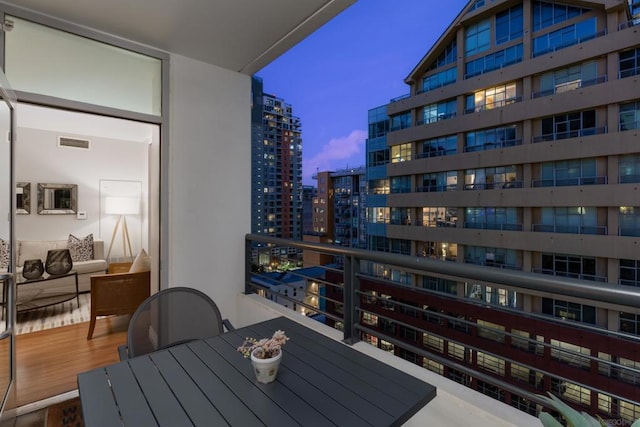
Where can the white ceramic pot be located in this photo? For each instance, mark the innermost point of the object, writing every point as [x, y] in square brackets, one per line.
[266, 369]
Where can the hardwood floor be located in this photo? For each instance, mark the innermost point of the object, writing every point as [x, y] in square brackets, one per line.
[48, 361]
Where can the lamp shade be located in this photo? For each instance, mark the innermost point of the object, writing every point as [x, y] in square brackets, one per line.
[121, 206]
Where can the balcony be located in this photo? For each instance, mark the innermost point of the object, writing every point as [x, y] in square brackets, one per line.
[570, 134]
[472, 348]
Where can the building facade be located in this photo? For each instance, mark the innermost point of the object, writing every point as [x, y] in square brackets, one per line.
[339, 213]
[517, 148]
[276, 165]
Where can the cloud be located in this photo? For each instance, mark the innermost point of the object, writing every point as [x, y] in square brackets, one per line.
[336, 154]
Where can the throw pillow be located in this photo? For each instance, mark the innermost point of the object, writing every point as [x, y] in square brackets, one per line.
[141, 263]
[81, 249]
[4, 254]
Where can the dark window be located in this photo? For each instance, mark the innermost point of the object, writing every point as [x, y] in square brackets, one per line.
[509, 24]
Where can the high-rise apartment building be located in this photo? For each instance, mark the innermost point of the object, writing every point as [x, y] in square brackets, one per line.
[339, 208]
[309, 192]
[276, 164]
[518, 148]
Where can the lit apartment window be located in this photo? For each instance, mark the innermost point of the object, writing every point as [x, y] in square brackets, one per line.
[490, 178]
[630, 116]
[379, 186]
[488, 99]
[490, 218]
[577, 267]
[569, 310]
[438, 181]
[570, 125]
[492, 257]
[570, 78]
[491, 295]
[493, 61]
[440, 111]
[438, 284]
[565, 37]
[629, 63]
[488, 139]
[629, 221]
[629, 168]
[629, 272]
[438, 250]
[401, 153]
[576, 220]
[440, 79]
[546, 14]
[435, 147]
[477, 37]
[401, 121]
[401, 184]
[509, 25]
[569, 172]
[439, 217]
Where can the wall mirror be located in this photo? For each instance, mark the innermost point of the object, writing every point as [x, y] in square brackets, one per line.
[23, 198]
[57, 199]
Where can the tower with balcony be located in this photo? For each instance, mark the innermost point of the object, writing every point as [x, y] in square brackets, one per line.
[517, 148]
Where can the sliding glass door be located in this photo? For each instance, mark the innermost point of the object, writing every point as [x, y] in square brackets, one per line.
[8, 198]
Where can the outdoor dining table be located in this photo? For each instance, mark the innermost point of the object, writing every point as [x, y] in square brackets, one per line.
[207, 382]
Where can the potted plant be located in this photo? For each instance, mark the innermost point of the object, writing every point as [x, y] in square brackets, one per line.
[265, 355]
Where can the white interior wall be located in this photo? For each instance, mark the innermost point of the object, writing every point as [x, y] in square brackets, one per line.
[209, 179]
[39, 159]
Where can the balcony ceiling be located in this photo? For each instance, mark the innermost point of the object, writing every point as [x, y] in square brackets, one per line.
[240, 35]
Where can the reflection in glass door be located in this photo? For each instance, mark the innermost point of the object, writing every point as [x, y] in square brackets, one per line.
[7, 240]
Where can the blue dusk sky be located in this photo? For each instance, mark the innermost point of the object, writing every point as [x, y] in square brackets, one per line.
[355, 62]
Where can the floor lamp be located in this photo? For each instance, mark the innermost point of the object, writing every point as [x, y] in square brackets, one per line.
[121, 206]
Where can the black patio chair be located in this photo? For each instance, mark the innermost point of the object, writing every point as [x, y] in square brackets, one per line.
[170, 317]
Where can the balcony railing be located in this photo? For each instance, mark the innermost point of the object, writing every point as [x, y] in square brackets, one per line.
[367, 301]
[436, 188]
[568, 43]
[493, 145]
[563, 182]
[400, 98]
[494, 185]
[569, 86]
[580, 276]
[572, 229]
[435, 119]
[491, 226]
[570, 134]
[493, 105]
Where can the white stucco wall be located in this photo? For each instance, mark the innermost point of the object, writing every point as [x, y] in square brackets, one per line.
[209, 179]
[40, 160]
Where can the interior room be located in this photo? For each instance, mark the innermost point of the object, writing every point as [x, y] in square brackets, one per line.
[106, 163]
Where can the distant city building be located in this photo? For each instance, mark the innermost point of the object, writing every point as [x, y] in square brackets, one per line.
[309, 192]
[339, 208]
[299, 290]
[276, 163]
[516, 148]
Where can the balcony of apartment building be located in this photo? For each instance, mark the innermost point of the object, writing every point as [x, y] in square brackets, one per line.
[481, 328]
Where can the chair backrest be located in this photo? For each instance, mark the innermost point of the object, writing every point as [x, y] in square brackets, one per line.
[170, 317]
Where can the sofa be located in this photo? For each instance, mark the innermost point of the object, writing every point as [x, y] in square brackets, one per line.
[37, 249]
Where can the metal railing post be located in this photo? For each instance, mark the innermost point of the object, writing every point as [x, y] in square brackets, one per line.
[351, 285]
[247, 266]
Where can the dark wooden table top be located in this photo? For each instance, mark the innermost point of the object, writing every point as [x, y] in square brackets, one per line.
[320, 382]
